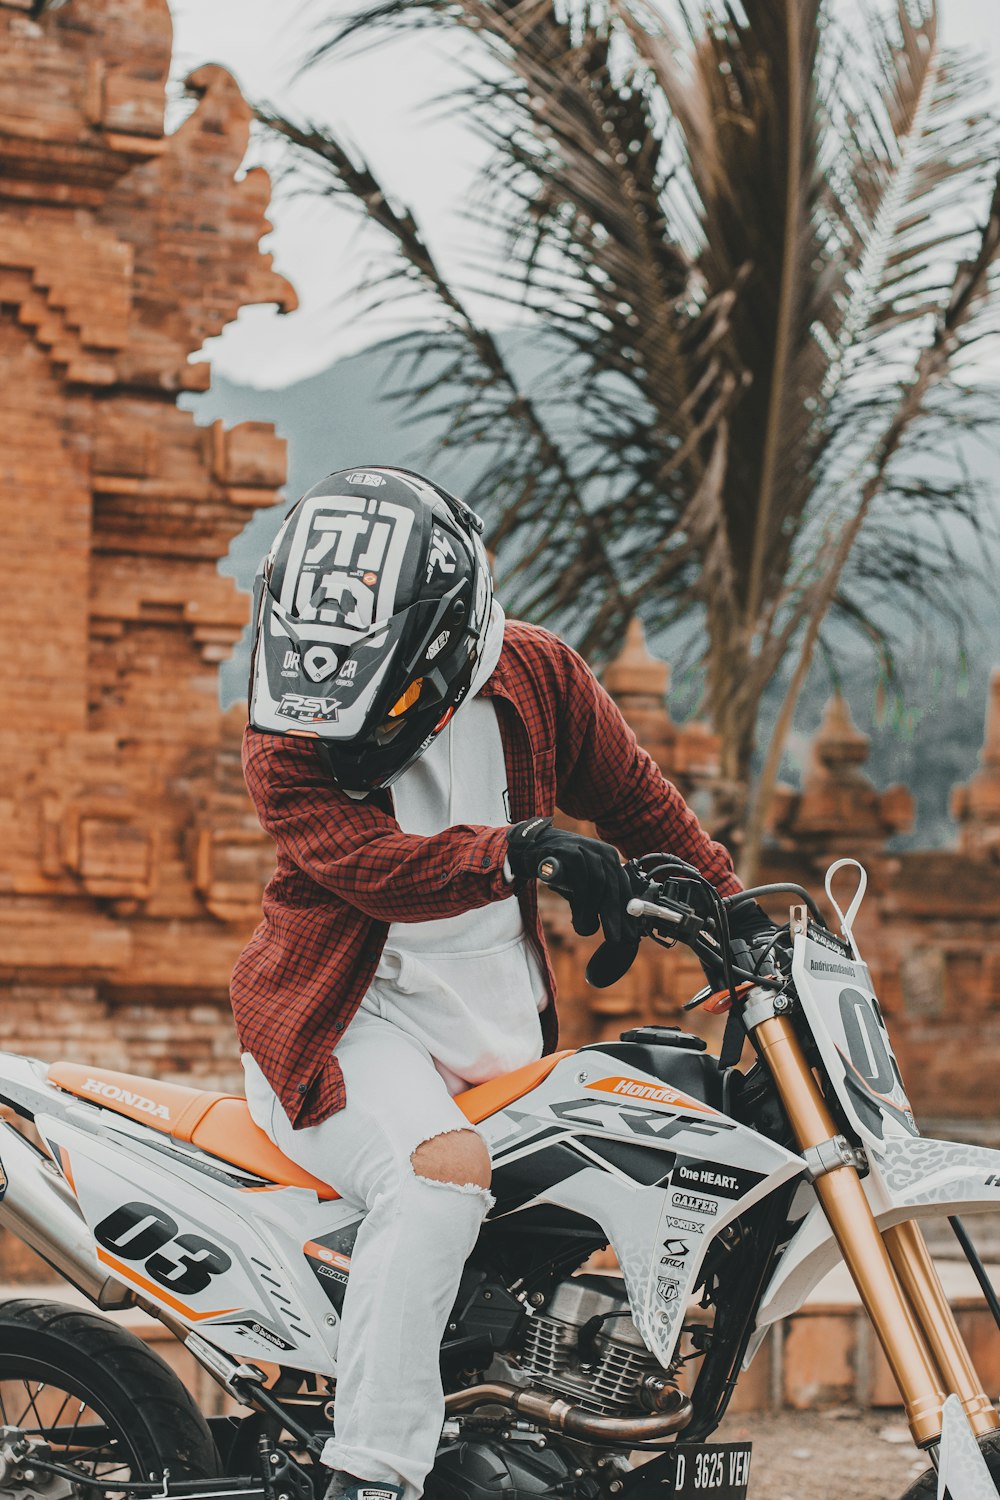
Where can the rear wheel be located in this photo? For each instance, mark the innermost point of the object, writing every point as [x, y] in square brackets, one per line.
[99, 1397]
[926, 1486]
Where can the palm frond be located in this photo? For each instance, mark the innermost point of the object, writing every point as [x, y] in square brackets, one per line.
[478, 363]
[749, 249]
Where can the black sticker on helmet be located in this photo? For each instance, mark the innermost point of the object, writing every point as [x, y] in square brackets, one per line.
[344, 559]
[442, 560]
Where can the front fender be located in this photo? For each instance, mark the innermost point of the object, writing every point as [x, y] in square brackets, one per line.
[912, 1177]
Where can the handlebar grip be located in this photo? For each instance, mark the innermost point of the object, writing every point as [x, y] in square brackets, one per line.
[549, 870]
[649, 909]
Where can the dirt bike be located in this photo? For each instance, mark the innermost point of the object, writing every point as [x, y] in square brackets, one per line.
[725, 1194]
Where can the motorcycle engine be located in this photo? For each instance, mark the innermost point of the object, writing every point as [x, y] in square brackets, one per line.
[501, 1470]
[597, 1365]
[581, 1345]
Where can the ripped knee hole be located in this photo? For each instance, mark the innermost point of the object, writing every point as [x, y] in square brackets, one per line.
[454, 1158]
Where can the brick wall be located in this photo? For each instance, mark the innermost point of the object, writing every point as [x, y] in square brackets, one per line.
[130, 861]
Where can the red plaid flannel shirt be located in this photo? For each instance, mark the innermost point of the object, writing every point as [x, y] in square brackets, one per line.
[346, 870]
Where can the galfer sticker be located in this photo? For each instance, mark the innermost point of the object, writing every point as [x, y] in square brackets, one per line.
[696, 1205]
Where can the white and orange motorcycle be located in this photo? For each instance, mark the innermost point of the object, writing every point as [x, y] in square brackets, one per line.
[726, 1195]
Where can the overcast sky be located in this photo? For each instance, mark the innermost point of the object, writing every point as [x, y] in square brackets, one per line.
[383, 102]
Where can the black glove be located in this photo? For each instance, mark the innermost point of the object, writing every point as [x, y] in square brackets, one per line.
[748, 920]
[749, 925]
[587, 872]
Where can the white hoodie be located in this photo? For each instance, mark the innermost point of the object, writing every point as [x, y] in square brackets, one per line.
[469, 987]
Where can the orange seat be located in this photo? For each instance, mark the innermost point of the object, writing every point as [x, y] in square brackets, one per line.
[486, 1098]
[221, 1125]
[217, 1123]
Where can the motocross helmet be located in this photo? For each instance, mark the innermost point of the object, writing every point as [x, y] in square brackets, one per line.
[370, 615]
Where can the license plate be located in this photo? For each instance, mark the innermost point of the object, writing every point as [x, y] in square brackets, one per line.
[719, 1471]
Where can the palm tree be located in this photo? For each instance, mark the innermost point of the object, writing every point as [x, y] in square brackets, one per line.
[759, 246]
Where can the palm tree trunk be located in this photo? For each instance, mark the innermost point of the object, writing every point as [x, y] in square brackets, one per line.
[734, 713]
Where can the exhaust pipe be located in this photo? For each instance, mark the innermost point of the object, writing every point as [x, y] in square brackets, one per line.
[558, 1415]
[35, 1206]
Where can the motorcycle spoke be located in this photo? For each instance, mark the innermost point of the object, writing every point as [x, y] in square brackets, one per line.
[55, 1421]
[69, 1443]
[31, 1406]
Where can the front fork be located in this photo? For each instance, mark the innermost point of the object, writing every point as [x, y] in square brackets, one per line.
[892, 1270]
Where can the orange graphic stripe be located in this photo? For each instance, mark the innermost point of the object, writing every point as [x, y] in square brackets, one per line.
[158, 1291]
[868, 1088]
[650, 1093]
[67, 1170]
[324, 1253]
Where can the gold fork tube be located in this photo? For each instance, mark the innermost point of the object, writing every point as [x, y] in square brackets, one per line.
[922, 1285]
[853, 1224]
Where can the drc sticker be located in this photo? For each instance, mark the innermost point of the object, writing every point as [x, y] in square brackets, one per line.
[677, 1253]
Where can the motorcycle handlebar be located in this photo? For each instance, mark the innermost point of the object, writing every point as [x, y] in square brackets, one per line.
[686, 923]
[639, 908]
[549, 871]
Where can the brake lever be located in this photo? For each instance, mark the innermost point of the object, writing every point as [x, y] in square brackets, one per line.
[639, 908]
[707, 995]
[687, 923]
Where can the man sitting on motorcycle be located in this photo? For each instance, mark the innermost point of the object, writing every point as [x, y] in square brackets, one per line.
[400, 958]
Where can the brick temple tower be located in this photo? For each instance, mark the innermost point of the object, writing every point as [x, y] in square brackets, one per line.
[131, 864]
[976, 805]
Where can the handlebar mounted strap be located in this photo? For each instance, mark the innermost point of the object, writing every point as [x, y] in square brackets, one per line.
[734, 1037]
[718, 1003]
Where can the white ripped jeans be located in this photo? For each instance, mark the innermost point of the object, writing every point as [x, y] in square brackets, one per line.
[410, 1250]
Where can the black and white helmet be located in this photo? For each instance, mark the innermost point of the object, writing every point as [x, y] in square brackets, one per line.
[370, 614]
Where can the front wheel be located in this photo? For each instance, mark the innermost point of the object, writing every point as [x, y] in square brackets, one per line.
[925, 1487]
[101, 1400]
